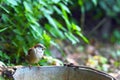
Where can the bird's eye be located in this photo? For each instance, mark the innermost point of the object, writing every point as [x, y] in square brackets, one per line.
[42, 48]
[39, 47]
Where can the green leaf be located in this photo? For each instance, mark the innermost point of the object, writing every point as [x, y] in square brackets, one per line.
[75, 27]
[116, 8]
[58, 33]
[59, 25]
[83, 37]
[33, 34]
[65, 17]
[80, 2]
[17, 31]
[64, 7]
[28, 6]
[74, 37]
[46, 38]
[42, 3]
[14, 43]
[55, 1]
[71, 37]
[103, 5]
[51, 20]
[103, 60]
[118, 53]
[19, 38]
[49, 28]
[54, 31]
[55, 44]
[24, 49]
[36, 31]
[31, 19]
[57, 10]
[94, 2]
[6, 10]
[5, 17]
[13, 2]
[46, 11]
[1, 30]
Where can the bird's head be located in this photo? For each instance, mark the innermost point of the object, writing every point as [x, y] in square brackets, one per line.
[40, 46]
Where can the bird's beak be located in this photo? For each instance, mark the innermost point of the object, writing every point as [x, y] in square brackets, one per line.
[44, 48]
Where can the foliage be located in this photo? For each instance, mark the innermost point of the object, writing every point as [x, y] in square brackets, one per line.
[110, 7]
[98, 60]
[115, 38]
[4, 57]
[100, 9]
[48, 60]
[27, 22]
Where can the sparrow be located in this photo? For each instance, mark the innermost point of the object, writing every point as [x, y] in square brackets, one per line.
[35, 54]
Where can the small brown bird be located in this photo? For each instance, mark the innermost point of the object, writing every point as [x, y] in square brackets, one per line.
[35, 54]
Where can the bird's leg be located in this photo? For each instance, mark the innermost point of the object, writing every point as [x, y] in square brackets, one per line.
[69, 64]
[30, 66]
[38, 65]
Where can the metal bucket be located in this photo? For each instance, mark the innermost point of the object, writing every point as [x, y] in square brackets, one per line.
[60, 73]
